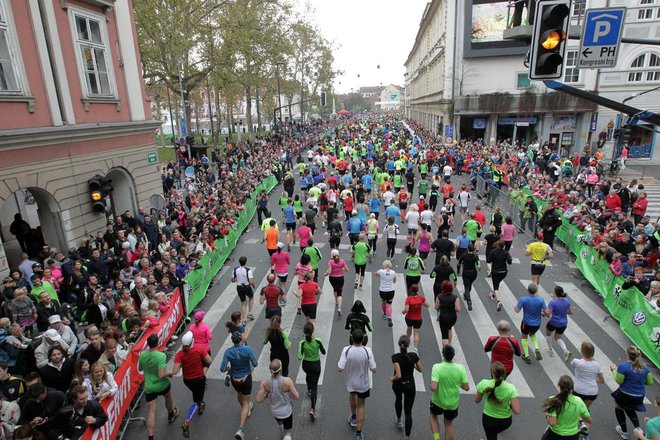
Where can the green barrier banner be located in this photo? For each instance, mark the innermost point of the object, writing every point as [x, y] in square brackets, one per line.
[199, 280]
[637, 318]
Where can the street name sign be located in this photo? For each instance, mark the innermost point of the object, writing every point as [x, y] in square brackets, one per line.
[601, 36]
[152, 157]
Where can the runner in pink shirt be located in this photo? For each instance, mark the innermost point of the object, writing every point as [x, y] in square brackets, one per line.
[202, 333]
[336, 268]
[280, 262]
[304, 232]
[508, 232]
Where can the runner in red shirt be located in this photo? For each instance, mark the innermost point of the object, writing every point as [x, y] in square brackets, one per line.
[504, 346]
[307, 292]
[192, 360]
[413, 312]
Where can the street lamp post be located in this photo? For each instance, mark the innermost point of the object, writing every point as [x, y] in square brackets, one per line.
[169, 105]
[208, 98]
[183, 111]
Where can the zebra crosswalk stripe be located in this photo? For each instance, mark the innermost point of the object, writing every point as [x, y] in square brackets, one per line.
[214, 370]
[459, 358]
[485, 326]
[576, 336]
[325, 313]
[399, 328]
[553, 366]
[288, 317]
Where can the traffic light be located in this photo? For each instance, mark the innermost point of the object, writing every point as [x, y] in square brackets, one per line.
[625, 134]
[549, 39]
[323, 99]
[96, 196]
[99, 188]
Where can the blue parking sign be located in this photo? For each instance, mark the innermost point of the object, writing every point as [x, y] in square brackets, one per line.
[601, 35]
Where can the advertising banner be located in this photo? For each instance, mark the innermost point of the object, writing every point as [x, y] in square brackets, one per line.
[128, 376]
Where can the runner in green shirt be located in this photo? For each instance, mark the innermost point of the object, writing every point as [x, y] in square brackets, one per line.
[360, 252]
[298, 206]
[314, 257]
[301, 168]
[153, 363]
[564, 410]
[423, 187]
[447, 378]
[397, 182]
[472, 229]
[501, 398]
[284, 200]
[413, 267]
[309, 352]
[423, 169]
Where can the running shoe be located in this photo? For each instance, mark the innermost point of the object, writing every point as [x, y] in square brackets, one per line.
[239, 434]
[352, 420]
[389, 322]
[171, 417]
[250, 317]
[227, 380]
[355, 286]
[399, 423]
[360, 286]
[299, 311]
[185, 429]
[499, 306]
[538, 354]
[526, 359]
[621, 432]
[312, 414]
[338, 313]
[384, 316]
[250, 409]
[488, 273]
[568, 356]
[469, 306]
[492, 296]
[551, 352]
[358, 436]
[201, 407]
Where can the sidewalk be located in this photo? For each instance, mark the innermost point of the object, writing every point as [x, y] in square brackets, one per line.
[646, 174]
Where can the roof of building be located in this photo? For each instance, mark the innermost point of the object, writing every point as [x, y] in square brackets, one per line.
[426, 18]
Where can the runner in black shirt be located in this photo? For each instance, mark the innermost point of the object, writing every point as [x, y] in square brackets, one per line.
[490, 240]
[442, 272]
[443, 246]
[358, 319]
[500, 258]
[403, 382]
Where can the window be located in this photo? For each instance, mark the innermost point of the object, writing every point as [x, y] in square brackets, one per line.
[93, 54]
[522, 80]
[645, 67]
[578, 7]
[567, 139]
[646, 2]
[571, 72]
[645, 14]
[9, 79]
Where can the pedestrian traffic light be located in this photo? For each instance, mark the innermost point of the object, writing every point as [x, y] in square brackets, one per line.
[549, 39]
[96, 196]
[323, 99]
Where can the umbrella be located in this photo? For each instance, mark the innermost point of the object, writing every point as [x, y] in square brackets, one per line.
[343, 112]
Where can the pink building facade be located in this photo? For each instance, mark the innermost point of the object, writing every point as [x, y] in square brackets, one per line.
[72, 105]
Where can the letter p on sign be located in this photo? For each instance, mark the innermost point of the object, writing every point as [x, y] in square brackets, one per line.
[602, 29]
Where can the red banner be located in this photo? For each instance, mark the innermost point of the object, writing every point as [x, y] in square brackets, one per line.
[129, 378]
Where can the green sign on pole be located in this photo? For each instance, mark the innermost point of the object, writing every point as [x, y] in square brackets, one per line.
[152, 157]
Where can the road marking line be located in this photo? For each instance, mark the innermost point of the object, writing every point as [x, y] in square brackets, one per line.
[459, 358]
[399, 328]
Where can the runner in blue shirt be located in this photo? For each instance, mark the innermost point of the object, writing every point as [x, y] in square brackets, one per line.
[462, 243]
[558, 310]
[347, 178]
[533, 307]
[354, 226]
[374, 206]
[368, 181]
[393, 211]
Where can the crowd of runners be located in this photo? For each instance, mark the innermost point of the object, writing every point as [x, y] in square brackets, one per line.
[379, 178]
[363, 182]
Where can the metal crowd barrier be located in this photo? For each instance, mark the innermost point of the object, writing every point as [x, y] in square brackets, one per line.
[500, 198]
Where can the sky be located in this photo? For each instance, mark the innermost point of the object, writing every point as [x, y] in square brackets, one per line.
[367, 34]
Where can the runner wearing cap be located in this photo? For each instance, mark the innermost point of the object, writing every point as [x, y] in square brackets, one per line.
[336, 268]
[239, 360]
[280, 262]
[192, 359]
[201, 333]
[539, 252]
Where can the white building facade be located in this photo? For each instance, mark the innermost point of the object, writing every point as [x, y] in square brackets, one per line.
[488, 94]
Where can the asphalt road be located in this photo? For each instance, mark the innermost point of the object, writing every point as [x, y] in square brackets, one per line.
[534, 382]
